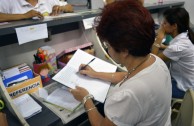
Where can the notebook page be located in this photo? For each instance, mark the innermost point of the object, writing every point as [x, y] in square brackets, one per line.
[63, 98]
[96, 87]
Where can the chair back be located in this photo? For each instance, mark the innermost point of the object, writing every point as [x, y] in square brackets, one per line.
[185, 115]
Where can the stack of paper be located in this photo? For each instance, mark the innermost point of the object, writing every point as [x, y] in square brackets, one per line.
[27, 106]
[60, 97]
[70, 77]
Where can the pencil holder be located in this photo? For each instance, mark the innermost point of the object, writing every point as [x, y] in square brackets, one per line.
[43, 70]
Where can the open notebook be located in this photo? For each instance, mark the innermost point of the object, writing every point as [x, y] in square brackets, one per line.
[70, 77]
[60, 97]
[27, 106]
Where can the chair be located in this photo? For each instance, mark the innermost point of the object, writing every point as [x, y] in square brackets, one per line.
[185, 115]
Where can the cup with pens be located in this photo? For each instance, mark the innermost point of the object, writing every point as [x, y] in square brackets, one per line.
[40, 65]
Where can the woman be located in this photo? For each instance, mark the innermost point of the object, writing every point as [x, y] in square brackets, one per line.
[111, 1]
[25, 9]
[179, 52]
[143, 95]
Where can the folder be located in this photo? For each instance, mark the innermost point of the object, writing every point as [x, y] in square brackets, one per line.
[17, 74]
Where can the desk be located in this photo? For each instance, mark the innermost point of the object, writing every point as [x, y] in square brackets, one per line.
[44, 118]
[74, 119]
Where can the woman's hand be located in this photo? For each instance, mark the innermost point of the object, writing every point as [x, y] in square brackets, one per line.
[68, 8]
[33, 13]
[87, 71]
[61, 9]
[56, 10]
[79, 93]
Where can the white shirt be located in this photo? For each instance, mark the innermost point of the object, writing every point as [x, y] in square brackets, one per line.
[181, 53]
[143, 100]
[21, 6]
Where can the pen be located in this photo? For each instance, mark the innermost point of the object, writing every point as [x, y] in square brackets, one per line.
[74, 110]
[61, 108]
[37, 59]
[82, 68]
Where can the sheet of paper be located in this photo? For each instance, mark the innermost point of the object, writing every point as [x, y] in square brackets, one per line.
[31, 33]
[4, 23]
[63, 98]
[88, 23]
[69, 76]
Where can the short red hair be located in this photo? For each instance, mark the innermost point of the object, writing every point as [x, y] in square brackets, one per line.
[126, 25]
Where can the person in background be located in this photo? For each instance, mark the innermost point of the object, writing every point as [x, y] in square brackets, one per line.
[180, 52]
[24, 9]
[143, 95]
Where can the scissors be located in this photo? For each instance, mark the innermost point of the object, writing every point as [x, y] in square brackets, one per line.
[2, 105]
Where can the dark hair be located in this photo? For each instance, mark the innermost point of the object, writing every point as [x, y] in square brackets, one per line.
[126, 25]
[180, 17]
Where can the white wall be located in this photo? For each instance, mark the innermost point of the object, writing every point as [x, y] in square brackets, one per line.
[14, 54]
[189, 6]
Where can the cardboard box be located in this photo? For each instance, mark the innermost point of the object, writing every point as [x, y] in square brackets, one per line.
[28, 86]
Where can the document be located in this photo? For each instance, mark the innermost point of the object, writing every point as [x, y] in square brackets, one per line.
[60, 97]
[31, 33]
[88, 23]
[27, 106]
[61, 16]
[70, 77]
[4, 23]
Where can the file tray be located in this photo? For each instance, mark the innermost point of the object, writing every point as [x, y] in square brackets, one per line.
[28, 86]
[66, 55]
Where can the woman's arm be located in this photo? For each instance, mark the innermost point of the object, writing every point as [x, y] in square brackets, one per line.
[57, 9]
[96, 119]
[114, 78]
[14, 17]
[157, 45]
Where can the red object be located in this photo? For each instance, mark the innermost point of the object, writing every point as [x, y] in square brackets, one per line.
[44, 80]
[41, 56]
